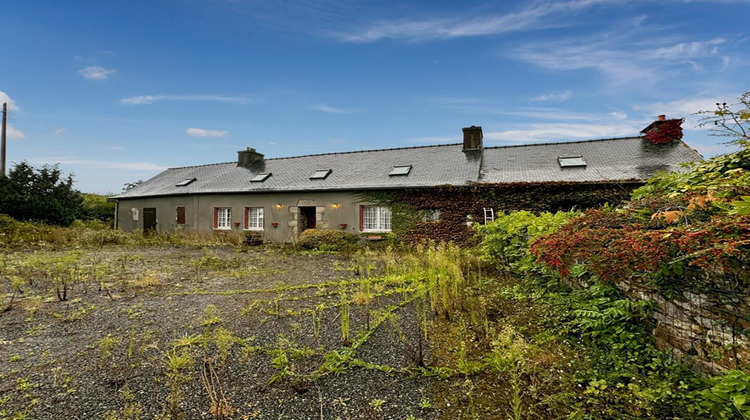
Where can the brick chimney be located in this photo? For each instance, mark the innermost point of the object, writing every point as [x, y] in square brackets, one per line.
[472, 138]
[654, 126]
[247, 157]
[663, 131]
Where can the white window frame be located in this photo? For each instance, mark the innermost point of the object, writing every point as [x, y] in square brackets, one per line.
[431, 216]
[255, 222]
[224, 218]
[376, 219]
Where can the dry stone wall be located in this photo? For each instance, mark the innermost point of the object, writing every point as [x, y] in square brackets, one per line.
[707, 325]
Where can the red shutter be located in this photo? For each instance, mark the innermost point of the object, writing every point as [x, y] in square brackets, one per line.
[361, 218]
[216, 217]
[247, 217]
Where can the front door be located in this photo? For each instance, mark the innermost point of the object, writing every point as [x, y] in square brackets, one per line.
[306, 218]
[149, 220]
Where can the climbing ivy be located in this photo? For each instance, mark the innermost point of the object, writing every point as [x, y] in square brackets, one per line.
[462, 206]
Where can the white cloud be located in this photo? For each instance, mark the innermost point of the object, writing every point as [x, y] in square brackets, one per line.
[11, 103]
[552, 132]
[330, 110]
[622, 56]
[619, 115]
[202, 132]
[60, 130]
[553, 97]
[708, 150]
[528, 18]
[96, 72]
[684, 108]
[12, 133]
[149, 99]
[128, 166]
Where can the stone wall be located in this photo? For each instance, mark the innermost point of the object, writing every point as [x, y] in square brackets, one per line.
[705, 321]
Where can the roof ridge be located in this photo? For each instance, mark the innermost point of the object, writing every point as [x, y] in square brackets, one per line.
[421, 147]
[365, 151]
[565, 142]
[205, 164]
[327, 154]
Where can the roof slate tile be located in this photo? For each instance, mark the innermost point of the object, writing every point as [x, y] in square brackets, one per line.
[630, 158]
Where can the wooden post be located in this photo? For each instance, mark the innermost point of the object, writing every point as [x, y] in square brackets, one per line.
[2, 140]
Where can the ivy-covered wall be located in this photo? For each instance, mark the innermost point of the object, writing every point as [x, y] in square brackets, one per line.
[460, 205]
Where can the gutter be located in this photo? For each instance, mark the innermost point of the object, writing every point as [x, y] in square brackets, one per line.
[117, 212]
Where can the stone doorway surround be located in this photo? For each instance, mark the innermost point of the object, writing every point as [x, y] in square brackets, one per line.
[293, 221]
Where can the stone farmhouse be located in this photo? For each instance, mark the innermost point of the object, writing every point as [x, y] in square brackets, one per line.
[275, 199]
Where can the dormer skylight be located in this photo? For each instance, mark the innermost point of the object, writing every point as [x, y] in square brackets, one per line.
[260, 177]
[571, 162]
[185, 182]
[402, 170]
[321, 174]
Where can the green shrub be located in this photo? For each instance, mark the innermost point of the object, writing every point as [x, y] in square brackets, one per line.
[98, 207]
[326, 239]
[506, 240]
[14, 233]
[725, 397]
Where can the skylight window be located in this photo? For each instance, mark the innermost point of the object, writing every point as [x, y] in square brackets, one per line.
[321, 174]
[260, 177]
[571, 161]
[400, 170]
[185, 182]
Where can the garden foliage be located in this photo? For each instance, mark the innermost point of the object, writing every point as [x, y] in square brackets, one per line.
[693, 221]
[505, 242]
[326, 239]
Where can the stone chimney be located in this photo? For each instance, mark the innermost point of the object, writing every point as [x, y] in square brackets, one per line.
[245, 158]
[472, 138]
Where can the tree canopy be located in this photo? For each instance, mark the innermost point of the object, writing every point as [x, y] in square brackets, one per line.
[40, 194]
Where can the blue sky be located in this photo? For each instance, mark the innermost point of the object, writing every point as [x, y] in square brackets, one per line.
[117, 91]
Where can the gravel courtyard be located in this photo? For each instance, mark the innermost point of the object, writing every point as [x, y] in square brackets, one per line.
[222, 332]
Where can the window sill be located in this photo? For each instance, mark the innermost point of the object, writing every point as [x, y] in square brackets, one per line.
[223, 228]
[254, 230]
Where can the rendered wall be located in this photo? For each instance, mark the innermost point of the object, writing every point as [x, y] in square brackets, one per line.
[332, 210]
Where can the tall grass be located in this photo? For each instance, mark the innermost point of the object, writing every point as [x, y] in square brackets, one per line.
[440, 266]
[28, 235]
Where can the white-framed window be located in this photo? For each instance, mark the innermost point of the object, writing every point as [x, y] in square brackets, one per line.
[431, 215]
[254, 218]
[222, 218]
[375, 219]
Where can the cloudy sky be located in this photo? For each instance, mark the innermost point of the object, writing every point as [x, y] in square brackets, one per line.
[117, 91]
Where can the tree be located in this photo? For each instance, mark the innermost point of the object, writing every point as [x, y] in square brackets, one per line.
[98, 207]
[130, 185]
[40, 194]
[726, 122]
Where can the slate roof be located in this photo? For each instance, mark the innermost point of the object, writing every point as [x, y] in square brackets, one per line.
[623, 159]
[431, 166]
[620, 159]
